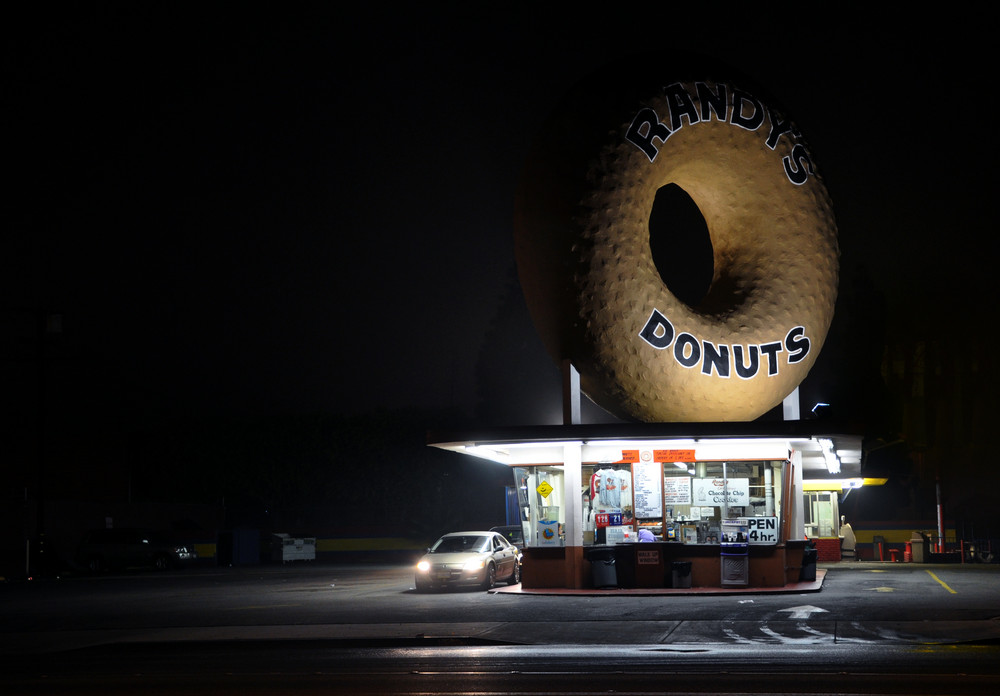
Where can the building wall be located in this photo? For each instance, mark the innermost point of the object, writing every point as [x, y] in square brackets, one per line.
[827, 549]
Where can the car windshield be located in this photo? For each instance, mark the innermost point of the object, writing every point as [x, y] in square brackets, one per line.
[461, 544]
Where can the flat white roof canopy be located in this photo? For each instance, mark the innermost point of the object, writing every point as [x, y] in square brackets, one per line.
[828, 452]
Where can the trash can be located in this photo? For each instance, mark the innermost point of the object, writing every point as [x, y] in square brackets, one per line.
[680, 574]
[808, 571]
[920, 545]
[602, 566]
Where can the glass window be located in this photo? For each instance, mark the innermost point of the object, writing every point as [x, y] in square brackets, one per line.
[699, 495]
[540, 496]
[821, 514]
[606, 491]
[695, 498]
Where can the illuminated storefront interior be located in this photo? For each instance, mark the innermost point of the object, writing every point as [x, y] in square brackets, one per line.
[579, 486]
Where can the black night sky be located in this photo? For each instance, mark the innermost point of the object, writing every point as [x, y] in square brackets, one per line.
[246, 212]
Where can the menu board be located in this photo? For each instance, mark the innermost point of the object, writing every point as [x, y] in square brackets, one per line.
[677, 490]
[648, 500]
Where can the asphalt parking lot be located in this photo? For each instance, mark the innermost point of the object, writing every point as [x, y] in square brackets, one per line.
[875, 602]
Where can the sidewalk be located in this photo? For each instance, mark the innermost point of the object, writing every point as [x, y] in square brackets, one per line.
[792, 588]
[796, 587]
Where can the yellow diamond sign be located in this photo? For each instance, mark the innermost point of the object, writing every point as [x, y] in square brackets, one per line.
[544, 489]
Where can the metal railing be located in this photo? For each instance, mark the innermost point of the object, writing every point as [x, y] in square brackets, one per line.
[948, 549]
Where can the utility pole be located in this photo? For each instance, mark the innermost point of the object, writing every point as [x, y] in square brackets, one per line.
[47, 324]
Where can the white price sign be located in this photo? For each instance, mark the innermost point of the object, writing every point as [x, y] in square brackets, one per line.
[648, 501]
[762, 530]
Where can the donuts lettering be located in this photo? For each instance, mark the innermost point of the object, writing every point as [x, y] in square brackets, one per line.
[745, 361]
[582, 243]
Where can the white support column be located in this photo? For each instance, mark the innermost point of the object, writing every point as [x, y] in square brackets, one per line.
[798, 528]
[572, 467]
[572, 500]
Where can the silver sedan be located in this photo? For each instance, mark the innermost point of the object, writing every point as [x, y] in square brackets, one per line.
[469, 558]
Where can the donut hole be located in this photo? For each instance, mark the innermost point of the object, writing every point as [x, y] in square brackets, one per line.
[680, 245]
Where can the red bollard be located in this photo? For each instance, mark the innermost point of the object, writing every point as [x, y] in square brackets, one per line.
[908, 553]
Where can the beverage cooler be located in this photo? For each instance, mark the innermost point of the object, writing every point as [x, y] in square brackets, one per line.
[734, 550]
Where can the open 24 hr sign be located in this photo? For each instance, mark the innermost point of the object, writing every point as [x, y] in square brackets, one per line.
[762, 530]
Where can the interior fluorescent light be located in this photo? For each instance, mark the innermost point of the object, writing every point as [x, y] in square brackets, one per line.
[832, 463]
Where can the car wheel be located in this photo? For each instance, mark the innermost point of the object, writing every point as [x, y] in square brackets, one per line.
[491, 577]
[421, 587]
[161, 562]
[515, 576]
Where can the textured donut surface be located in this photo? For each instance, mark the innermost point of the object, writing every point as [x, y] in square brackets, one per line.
[582, 242]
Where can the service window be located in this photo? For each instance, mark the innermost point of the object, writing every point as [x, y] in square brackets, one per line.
[699, 495]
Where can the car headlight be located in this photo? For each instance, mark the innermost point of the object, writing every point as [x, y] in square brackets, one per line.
[474, 564]
[423, 566]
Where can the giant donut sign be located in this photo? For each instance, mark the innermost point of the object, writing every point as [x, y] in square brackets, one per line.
[582, 242]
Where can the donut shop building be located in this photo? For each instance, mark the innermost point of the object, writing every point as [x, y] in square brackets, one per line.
[729, 504]
[690, 482]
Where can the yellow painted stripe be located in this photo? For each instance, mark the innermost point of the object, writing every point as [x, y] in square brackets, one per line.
[943, 583]
[205, 550]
